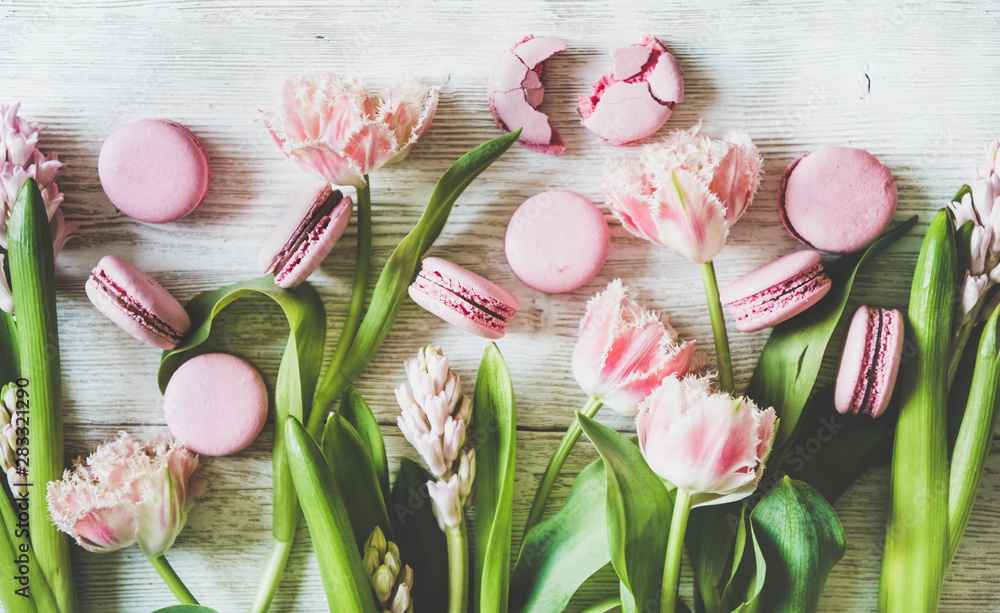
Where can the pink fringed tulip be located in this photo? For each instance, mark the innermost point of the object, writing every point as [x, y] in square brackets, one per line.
[710, 445]
[20, 160]
[125, 494]
[686, 192]
[624, 351]
[331, 126]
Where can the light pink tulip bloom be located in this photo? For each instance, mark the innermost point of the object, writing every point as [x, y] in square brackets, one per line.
[685, 192]
[624, 351]
[331, 126]
[708, 444]
[125, 494]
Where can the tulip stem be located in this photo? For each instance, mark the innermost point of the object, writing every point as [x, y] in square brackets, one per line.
[166, 572]
[718, 327]
[458, 568]
[556, 463]
[675, 545]
[352, 321]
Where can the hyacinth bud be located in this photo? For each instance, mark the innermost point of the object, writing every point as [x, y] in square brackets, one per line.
[387, 574]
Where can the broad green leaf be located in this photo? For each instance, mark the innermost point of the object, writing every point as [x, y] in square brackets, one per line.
[421, 543]
[186, 608]
[791, 359]
[399, 270]
[297, 374]
[639, 508]
[493, 432]
[749, 571]
[10, 368]
[355, 479]
[33, 280]
[710, 538]
[12, 547]
[560, 553]
[344, 578]
[600, 606]
[801, 539]
[355, 410]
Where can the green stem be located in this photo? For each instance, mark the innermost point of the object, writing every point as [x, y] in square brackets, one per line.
[362, 266]
[458, 569]
[555, 465]
[601, 606]
[166, 572]
[675, 545]
[718, 327]
[272, 576]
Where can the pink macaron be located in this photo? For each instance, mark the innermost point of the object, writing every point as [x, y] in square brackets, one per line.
[306, 233]
[556, 241]
[637, 98]
[154, 170]
[215, 404]
[870, 363]
[463, 298]
[776, 292]
[837, 199]
[137, 303]
[516, 90]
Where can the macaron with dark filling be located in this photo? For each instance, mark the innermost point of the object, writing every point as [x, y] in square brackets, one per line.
[776, 292]
[869, 366]
[463, 298]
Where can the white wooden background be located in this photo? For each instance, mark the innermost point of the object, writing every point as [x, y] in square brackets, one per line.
[917, 84]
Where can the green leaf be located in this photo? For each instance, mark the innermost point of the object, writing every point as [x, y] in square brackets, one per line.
[639, 508]
[493, 432]
[746, 581]
[344, 578]
[399, 270]
[186, 608]
[791, 359]
[13, 543]
[355, 480]
[355, 410]
[10, 367]
[32, 273]
[562, 552]
[297, 374]
[801, 540]
[421, 543]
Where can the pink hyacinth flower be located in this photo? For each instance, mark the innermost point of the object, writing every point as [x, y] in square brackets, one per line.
[710, 445]
[331, 126]
[624, 351]
[125, 494]
[685, 192]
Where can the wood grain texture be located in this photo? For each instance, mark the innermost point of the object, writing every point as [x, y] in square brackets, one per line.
[917, 84]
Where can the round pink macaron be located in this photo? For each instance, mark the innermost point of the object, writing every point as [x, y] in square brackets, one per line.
[215, 404]
[870, 363]
[776, 292]
[137, 303]
[463, 298]
[837, 199]
[154, 170]
[305, 234]
[556, 241]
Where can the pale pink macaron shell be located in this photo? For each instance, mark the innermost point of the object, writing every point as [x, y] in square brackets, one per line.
[556, 241]
[154, 170]
[215, 404]
[837, 199]
[637, 98]
[773, 282]
[515, 92]
[312, 253]
[458, 306]
[138, 288]
[860, 346]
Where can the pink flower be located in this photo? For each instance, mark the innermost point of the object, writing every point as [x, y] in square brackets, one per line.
[708, 444]
[125, 494]
[331, 126]
[624, 351]
[20, 160]
[686, 192]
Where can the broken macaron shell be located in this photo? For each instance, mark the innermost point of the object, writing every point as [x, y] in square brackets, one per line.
[637, 98]
[516, 90]
[463, 298]
[305, 234]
